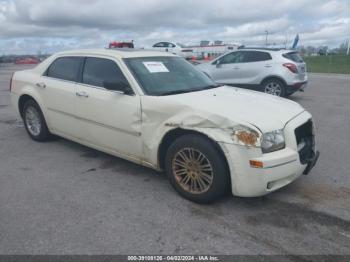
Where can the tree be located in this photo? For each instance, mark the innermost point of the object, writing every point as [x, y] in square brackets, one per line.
[310, 50]
[343, 48]
[302, 50]
[322, 50]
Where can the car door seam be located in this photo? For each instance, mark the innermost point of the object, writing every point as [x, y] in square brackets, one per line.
[96, 123]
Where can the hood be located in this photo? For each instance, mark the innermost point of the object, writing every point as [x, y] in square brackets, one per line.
[263, 111]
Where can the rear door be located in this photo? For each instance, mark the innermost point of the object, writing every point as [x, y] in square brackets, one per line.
[58, 86]
[108, 118]
[170, 48]
[255, 67]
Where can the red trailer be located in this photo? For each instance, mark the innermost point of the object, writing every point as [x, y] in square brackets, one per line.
[116, 44]
[27, 61]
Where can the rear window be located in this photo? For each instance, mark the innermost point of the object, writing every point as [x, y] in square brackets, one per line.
[256, 56]
[65, 68]
[294, 56]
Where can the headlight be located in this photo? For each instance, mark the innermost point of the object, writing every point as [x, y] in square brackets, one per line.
[272, 141]
[246, 136]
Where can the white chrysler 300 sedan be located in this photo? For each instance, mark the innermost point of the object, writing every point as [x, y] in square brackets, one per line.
[157, 110]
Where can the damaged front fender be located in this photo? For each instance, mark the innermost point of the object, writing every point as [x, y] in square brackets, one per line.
[160, 119]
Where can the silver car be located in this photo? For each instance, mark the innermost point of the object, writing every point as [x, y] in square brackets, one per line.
[277, 72]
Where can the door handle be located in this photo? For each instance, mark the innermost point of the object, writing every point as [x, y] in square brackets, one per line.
[267, 66]
[82, 94]
[41, 85]
[236, 68]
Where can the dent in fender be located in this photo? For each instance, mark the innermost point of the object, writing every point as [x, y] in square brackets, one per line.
[156, 124]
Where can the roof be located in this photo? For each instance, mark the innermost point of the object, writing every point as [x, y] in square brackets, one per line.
[213, 45]
[117, 52]
[266, 49]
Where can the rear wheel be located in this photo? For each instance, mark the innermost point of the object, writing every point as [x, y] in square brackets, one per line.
[34, 121]
[274, 87]
[196, 169]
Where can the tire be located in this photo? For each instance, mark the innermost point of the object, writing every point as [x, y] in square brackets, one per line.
[182, 173]
[34, 121]
[274, 87]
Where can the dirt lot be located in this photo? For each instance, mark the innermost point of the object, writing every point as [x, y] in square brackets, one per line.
[63, 198]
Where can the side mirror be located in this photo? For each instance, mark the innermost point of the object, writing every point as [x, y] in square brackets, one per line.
[218, 63]
[119, 87]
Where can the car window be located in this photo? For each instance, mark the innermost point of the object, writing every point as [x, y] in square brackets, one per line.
[232, 58]
[294, 56]
[158, 45]
[167, 44]
[65, 68]
[255, 56]
[103, 73]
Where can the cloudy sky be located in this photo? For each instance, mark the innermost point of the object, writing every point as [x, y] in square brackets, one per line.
[30, 26]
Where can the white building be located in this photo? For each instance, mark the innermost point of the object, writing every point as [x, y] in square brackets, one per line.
[208, 50]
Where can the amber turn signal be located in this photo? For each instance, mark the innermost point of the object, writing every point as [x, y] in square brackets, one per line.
[256, 164]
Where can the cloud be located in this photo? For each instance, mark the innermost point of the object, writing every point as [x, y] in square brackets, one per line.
[51, 25]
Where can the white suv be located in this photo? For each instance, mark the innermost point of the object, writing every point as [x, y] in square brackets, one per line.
[176, 49]
[274, 71]
[157, 110]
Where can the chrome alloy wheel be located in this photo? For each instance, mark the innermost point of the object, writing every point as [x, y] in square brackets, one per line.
[33, 120]
[273, 88]
[192, 170]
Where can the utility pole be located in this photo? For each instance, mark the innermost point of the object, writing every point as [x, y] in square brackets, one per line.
[285, 41]
[347, 52]
[267, 34]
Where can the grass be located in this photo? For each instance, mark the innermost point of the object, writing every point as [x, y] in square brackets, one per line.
[338, 64]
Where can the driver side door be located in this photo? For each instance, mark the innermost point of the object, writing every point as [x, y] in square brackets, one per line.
[108, 118]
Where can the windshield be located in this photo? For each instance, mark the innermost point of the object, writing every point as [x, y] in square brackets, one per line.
[168, 75]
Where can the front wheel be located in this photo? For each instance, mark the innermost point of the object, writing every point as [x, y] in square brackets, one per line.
[196, 169]
[274, 87]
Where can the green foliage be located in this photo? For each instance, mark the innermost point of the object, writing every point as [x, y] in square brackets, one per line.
[338, 64]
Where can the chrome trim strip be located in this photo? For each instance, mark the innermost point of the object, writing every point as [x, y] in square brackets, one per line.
[280, 164]
[59, 79]
[91, 86]
[104, 89]
[96, 123]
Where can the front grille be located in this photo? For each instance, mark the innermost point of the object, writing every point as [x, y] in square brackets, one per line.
[305, 141]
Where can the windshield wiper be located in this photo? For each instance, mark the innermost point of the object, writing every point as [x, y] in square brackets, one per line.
[175, 92]
[210, 87]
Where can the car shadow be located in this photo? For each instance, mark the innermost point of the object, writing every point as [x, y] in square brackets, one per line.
[273, 209]
[108, 162]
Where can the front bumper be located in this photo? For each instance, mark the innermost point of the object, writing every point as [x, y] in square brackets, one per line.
[279, 168]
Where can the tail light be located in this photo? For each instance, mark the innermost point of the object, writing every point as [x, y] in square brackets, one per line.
[11, 82]
[292, 67]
